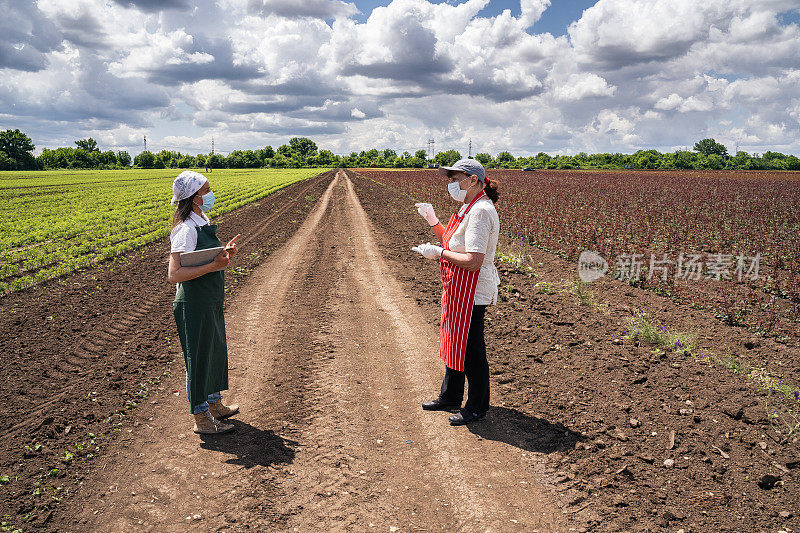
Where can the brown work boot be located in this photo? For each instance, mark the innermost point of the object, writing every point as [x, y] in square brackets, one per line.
[220, 411]
[205, 424]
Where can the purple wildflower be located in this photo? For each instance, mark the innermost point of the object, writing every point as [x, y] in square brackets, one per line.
[797, 395]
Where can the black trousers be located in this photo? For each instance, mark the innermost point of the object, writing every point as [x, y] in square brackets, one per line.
[476, 370]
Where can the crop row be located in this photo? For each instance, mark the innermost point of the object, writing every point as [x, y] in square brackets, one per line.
[60, 221]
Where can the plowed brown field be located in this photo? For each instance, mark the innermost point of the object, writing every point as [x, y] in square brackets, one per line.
[332, 328]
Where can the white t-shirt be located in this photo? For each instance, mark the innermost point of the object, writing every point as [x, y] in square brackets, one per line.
[183, 237]
[478, 233]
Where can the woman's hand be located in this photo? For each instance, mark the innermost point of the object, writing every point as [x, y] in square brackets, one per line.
[222, 260]
[231, 246]
[428, 250]
[426, 211]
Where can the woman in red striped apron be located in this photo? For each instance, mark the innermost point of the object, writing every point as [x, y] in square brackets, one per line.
[469, 281]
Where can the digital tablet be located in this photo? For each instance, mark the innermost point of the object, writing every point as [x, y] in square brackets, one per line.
[200, 257]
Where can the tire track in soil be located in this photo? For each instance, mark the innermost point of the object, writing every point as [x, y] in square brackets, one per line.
[329, 362]
[76, 366]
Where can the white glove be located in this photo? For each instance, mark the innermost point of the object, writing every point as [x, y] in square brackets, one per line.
[426, 211]
[429, 251]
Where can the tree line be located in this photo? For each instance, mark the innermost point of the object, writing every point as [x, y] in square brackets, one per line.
[16, 153]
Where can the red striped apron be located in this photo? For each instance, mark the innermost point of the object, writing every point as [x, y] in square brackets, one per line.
[458, 296]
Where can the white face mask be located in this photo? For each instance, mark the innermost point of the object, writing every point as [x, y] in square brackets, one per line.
[455, 190]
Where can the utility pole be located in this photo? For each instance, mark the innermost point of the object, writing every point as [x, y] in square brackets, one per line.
[470, 148]
[211, 163]
[145, 143]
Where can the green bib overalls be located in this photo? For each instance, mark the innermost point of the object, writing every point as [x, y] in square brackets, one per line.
[201, 326]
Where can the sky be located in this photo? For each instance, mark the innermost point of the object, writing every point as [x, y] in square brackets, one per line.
[531, 76]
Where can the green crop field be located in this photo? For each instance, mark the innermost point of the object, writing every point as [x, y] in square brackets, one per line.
[57, 221]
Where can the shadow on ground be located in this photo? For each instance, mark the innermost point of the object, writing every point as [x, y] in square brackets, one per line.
[524, 431]
[251, 446]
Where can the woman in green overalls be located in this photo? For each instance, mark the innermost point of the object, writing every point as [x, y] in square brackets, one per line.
[198, 303]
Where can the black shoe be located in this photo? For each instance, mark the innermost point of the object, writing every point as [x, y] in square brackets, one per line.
[438, 405]
[464, 417]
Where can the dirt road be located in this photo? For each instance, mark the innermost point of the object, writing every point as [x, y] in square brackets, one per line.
[323, 335]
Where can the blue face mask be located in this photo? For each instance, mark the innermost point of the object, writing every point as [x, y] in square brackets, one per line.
[208, 201]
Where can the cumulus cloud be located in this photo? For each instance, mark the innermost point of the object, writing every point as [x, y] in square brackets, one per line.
[154, 5]
[628, 74]
[80, 96]
[26, 36]
[178, 57]
[685, 105]
[321, 9]
[669, 102]
[532, 11]
[581, 86]
[443, 49]
[83, 29]
[280, 125]
[396, 43]
[616, 33]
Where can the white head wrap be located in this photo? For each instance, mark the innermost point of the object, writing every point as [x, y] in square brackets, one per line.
[186, 184]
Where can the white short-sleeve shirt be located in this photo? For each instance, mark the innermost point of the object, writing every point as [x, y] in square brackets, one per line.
[183, 237]
[478, 233]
